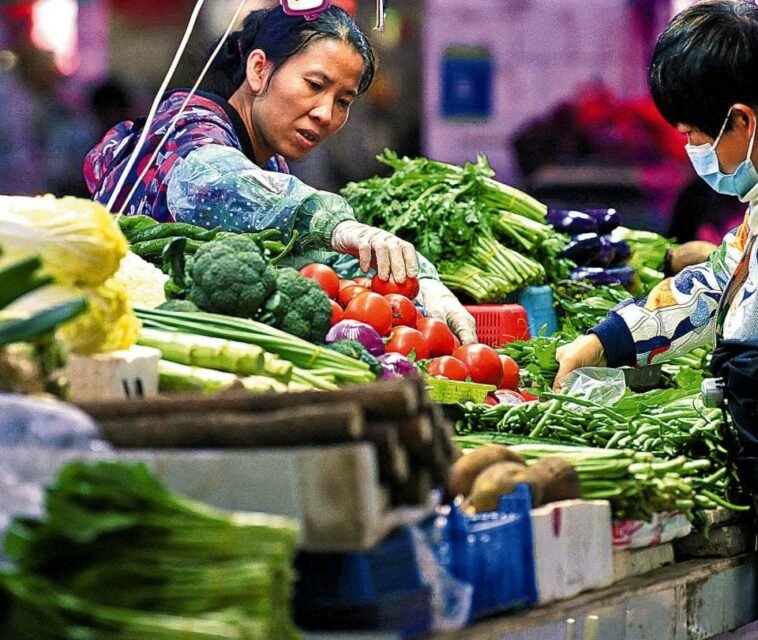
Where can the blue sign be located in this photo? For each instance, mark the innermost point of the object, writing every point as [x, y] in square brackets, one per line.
[466, 83]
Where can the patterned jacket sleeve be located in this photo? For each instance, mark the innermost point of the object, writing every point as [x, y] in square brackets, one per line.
[218, 186]
[678, 315]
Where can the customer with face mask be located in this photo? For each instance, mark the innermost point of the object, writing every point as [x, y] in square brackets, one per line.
[704, 80]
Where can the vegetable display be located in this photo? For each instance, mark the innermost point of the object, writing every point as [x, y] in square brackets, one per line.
[118, 555]
[299, 352]
[487, 239]
[667, 423]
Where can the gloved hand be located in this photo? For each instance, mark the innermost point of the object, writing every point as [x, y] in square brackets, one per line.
[585, 351]
[442, 304]
[376, 247]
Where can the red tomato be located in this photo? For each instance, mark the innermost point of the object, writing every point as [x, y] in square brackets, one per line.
[409, 288]
[346, 283]
[450, 367]
[505, 396]
[404, 340]
[403, 310]
[441, 340]
[491, 400]
[482, 361]
[419, 315]
[337, 312]
[457, 342]
[372, 309]
[325, 276]
[528, 397]
[364, 282]
[510, 373]
[350, 292]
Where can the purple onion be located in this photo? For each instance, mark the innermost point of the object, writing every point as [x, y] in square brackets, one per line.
[396, 365]
[360, 331]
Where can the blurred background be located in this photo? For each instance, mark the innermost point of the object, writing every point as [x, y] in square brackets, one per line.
[552, 91]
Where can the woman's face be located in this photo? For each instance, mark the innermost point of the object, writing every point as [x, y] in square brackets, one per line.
[307, 100]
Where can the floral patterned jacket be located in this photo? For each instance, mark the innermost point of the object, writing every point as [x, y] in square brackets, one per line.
[688, 310]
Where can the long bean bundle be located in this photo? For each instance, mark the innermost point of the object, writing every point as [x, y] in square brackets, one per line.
[669, 424]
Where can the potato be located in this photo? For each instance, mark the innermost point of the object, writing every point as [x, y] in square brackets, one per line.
[558, 478]
[501, 478]
[693, 252]
[465, 470]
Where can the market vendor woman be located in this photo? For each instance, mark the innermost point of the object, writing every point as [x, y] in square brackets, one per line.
[704, 80]
[281, 86]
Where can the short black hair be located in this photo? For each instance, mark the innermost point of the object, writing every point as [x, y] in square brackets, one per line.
[705, 61]
[282, 36]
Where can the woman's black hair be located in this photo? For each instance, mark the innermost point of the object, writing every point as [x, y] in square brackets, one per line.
[705, 61]
[281, 37]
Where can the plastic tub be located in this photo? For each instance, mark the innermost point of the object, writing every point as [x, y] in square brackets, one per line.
[498, 324]
[452, 391]
[540, 312]
[359, 578]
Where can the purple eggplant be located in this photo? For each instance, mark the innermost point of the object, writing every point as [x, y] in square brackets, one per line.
[607, 253]
[622, 250]
[571, 222]
[583, 248]
[623, 275]
[607, 219]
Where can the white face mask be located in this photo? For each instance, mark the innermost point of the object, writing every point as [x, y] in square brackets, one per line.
[742, 183]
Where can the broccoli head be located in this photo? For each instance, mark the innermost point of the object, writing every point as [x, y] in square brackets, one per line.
[231, 276]
[175, 304]
[354, 349]
[299, 306]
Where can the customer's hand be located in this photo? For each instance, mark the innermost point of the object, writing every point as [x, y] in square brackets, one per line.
[585, 351]
[378, 248]
[442, 304]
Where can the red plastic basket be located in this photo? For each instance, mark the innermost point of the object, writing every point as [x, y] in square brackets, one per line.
[498, 324]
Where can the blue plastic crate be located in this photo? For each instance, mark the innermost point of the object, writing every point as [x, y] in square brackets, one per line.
[359, 578]
[410, 614]
[492, 551]
[540, 312]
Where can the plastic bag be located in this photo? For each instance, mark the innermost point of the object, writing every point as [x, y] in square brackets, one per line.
[601, 385]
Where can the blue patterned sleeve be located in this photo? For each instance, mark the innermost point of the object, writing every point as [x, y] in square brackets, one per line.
[218, 186]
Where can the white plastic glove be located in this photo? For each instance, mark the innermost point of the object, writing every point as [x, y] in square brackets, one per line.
[442, 304]
[376, 247]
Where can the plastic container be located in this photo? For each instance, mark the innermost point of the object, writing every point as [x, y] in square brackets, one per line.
[540, 312]
[453, 391]
[498, 324]
[409, 614]
[492, 551]
[345, 579]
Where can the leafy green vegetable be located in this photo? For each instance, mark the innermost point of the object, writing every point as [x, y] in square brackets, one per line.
[117, 555]
[487, 239]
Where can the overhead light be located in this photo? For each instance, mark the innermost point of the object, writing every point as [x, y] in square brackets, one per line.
[54, 29]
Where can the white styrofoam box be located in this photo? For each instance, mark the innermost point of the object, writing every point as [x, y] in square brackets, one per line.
[131, 373]
[573, 549]
[333, 491]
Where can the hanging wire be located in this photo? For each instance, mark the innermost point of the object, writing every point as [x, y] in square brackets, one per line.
[154, 108]
[381, 12]
[180, 113]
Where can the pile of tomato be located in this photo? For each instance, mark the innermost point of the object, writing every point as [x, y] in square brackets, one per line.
[388, 307]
